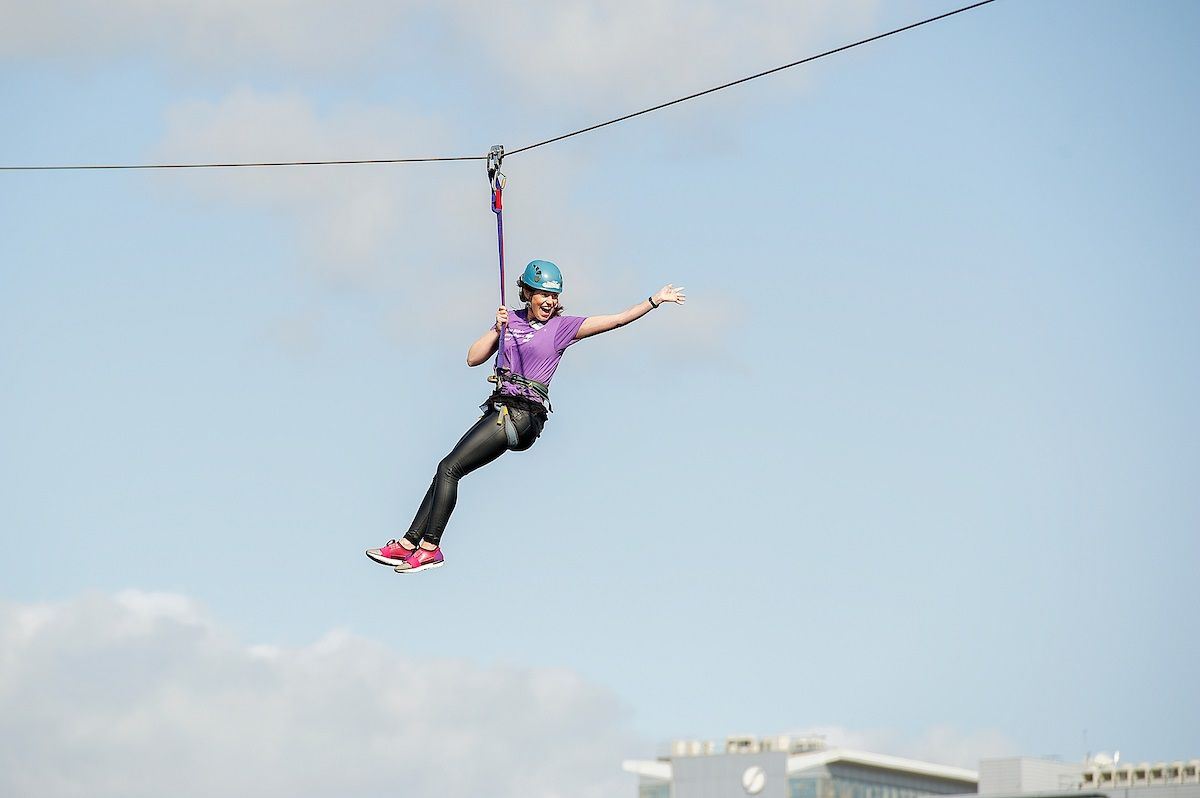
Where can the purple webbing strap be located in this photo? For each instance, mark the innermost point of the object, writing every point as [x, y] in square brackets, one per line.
[498, 209]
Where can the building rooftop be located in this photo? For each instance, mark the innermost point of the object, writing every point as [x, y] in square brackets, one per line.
[803, 753]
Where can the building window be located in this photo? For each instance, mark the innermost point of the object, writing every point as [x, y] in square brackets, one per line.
[802, 788]
[661, 790]
[846, 787]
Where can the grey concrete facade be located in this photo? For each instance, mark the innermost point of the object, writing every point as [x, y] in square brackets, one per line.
[1016, 774]
[726, 776]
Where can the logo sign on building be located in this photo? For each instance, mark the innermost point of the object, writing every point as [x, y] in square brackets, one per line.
[753, 780]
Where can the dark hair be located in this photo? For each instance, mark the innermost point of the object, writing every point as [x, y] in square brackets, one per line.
[522, 288]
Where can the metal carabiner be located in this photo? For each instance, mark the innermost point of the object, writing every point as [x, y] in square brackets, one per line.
[494, 157]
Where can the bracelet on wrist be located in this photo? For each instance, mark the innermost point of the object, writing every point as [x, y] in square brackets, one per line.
[653, 306]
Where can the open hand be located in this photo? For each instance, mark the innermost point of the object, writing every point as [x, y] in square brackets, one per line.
[670, 293]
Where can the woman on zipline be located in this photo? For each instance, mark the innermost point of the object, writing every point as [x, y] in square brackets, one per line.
[534, 341]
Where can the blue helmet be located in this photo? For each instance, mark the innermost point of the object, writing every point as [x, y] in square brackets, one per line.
[542, 275]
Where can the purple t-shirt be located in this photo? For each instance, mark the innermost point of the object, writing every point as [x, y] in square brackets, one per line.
[534, 353]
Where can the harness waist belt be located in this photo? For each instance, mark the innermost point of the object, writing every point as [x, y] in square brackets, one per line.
[504, 375]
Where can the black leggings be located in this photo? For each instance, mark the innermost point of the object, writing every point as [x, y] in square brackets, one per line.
[482, 444]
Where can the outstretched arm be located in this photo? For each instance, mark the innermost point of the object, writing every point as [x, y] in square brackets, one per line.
[594, 325]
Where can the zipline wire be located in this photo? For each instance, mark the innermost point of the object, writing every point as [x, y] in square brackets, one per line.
[526, 148]
[235, 165]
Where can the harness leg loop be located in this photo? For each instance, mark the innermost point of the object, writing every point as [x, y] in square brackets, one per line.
[510, 428]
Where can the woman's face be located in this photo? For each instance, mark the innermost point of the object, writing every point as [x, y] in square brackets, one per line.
[541, 305]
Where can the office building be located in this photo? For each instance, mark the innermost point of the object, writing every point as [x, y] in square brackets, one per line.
[791, 767]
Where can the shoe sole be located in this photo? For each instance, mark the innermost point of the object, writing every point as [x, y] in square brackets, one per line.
[420, 568]
[379, 558]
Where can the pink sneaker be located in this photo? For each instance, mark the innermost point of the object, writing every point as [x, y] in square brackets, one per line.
[420, 559]
[391, 554]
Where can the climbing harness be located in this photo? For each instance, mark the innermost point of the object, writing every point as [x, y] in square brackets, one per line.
[539, 389]
[503, 403]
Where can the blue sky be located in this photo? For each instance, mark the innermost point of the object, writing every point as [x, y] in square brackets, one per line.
[914, 466]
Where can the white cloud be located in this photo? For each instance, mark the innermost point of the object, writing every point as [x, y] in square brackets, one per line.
[379, 226]
[216, 34]
[651, 49]
[410, 230]
[347, 217]
[577, 52]
[423, 233]
[143, 695]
